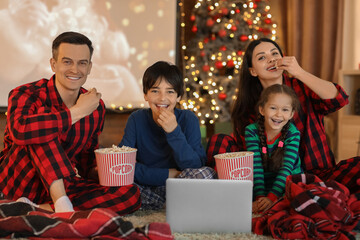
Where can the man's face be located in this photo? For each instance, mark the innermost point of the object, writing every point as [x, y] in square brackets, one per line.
[71, 67]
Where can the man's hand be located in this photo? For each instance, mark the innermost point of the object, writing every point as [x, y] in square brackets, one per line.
[167, 120]
[85, 105]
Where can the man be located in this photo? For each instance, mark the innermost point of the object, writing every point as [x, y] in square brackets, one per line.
[51, 133]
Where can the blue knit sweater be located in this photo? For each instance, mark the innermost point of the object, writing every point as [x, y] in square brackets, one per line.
[158, 151]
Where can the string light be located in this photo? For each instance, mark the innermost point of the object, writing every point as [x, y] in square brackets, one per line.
[220, 45]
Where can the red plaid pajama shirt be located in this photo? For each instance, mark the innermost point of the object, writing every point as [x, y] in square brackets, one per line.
[315, 154]
[41, 146]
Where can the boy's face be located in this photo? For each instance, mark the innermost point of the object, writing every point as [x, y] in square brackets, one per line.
[161, 96]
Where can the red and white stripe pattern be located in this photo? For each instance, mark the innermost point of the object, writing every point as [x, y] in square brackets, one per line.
[116, 169]
[235, 165]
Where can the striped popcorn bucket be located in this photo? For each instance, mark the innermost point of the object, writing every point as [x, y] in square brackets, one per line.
[116, 168]
[235, 165]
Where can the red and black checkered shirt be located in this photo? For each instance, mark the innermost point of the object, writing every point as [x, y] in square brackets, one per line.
[314, 150]
[41, 145]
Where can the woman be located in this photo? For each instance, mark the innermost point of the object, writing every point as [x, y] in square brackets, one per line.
[264, 65]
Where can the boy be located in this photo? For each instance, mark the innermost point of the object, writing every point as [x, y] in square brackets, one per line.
[168, 139]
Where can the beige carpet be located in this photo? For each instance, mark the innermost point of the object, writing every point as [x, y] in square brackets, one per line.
[141, 218]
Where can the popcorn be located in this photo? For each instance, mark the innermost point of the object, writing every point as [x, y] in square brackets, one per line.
[234, 155]
[115, 149]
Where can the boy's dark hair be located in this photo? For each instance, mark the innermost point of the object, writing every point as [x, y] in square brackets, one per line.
[274, 162]
[171, 73]
[73, 38]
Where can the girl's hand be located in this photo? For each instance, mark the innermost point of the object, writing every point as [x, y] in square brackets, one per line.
[291, 65]
[263, 204]
[167, 120]
[255, 207]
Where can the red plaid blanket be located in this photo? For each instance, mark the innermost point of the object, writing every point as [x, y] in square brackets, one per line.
[311, 209]
[22, 220]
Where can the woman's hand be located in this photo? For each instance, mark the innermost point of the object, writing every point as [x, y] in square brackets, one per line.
[290, 65]
[324, 89]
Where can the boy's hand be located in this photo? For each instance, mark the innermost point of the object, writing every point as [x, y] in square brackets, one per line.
[167, 120]
[173, 173]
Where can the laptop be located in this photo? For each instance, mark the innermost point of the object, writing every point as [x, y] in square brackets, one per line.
[209, 205]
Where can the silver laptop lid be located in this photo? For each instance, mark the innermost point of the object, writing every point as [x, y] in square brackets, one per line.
[209, 205]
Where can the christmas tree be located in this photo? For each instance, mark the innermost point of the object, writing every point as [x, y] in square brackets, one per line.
[212, 59]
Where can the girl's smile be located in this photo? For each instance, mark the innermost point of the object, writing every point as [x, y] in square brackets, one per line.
[277, 111]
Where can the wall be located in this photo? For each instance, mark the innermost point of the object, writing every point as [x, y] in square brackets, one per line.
[351, 38]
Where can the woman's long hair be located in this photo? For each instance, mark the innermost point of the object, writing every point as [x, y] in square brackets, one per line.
[249, 90]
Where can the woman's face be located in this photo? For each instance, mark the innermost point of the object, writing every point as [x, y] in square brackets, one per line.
[264, 60]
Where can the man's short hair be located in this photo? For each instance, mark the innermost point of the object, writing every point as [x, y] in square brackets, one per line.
[73, 38]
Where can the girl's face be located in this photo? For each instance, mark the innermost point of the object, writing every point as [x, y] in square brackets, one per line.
[277, 111]
[161, 96]
[264, 58]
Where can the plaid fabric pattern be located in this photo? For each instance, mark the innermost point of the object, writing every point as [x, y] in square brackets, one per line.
[346, 172]
[154, 197]
[199, 173]
[87, 194]
[314, 150]
[21, 220]
[311, 209]
[41, 146]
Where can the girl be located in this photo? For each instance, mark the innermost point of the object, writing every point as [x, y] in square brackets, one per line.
[275, 143]
[264, 65]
